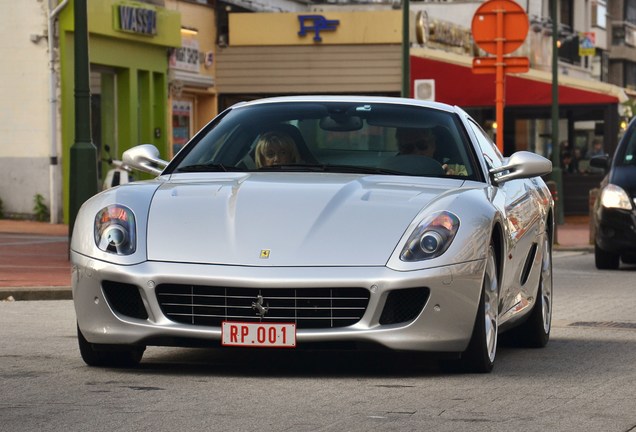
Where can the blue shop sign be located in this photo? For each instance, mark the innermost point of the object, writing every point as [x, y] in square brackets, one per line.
[316, 24]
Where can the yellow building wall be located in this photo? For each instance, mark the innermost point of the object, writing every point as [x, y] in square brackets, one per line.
[372, 27]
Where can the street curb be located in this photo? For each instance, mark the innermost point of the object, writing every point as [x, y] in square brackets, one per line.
[35, 293]
[583, 248]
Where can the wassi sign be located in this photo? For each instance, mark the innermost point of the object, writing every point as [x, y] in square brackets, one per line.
[137, 20]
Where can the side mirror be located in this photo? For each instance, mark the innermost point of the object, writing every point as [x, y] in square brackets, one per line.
[602, 161]
[519, 165]
[145, 158]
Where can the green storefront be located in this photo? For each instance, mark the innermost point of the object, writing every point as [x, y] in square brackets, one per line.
[128, 54]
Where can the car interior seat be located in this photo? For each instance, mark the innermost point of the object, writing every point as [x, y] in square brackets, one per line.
[446, 151]
[305, 154]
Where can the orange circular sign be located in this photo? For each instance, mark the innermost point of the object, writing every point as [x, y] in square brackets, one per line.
[514, 28]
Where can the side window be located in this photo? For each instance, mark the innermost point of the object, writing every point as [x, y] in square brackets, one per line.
[489, 149]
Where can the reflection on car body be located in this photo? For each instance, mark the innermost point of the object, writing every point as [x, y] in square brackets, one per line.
[351, 242]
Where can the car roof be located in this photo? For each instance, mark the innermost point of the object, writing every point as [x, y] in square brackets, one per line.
[354, 99]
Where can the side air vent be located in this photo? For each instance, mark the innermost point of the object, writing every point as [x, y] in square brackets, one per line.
[124, 299]
[403, 305]
[528, 264]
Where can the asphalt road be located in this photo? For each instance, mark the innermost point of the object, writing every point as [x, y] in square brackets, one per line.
[585, 380]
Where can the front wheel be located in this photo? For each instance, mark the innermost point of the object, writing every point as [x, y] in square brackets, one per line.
[480, 355]
[605, 260]
[109, 355]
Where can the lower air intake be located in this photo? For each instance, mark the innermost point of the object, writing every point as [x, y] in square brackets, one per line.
[403, 305]
[124, 299]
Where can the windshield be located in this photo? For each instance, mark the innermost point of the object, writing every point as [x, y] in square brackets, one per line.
[378, 138]
[629, 155]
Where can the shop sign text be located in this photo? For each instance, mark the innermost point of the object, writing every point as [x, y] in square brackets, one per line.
[186, 57]
[137, 20]
[316, 24]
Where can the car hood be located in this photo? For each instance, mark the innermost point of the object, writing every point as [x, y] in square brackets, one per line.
[286, 219]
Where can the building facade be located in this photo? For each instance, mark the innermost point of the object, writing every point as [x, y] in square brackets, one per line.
[25, 153]
[269, 54]
[151, 80]
[161, 83]
[191, 72]
[621, 24]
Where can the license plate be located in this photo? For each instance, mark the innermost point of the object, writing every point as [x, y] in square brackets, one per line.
[244, 334]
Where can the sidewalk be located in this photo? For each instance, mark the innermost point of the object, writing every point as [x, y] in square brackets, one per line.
[34, 261]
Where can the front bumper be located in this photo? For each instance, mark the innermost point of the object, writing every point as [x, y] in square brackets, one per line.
[616, 231]
[444, 324]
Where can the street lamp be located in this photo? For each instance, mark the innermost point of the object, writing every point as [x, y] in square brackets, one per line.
[556, 176]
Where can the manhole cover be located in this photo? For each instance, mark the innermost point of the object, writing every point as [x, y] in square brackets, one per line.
[604, 324]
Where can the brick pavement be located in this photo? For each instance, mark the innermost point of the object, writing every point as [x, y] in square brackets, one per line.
[34, 256]
[34, 260]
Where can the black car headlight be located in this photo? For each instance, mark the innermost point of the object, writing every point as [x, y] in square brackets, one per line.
[613, 196]
[431, 238]
[115, 230]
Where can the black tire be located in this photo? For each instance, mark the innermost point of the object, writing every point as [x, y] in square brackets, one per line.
[605, 260]
[479, 357]
[120, 356]
[535, 331]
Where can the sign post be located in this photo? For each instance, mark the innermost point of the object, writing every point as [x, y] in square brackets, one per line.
[500, 27]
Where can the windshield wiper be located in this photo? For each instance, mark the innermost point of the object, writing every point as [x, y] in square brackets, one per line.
[208, 168]
[350, 169]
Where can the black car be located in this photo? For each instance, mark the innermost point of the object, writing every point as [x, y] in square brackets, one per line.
[615, 208]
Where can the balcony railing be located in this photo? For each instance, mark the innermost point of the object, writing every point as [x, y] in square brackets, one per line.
[624, 33]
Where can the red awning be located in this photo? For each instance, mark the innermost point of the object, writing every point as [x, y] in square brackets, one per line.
[456, 84]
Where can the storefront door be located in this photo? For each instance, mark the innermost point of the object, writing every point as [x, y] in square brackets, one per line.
[182, 122]
[104, 116]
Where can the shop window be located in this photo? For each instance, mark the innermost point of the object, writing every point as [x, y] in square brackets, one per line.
[181, 124]
[630, 75]
[630, 11]
[599, 14]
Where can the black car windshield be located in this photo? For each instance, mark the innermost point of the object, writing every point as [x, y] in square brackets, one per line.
[351, 137]
[629, 155]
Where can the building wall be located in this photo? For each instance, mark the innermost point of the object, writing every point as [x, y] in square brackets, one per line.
[24, 118]
[327, 69]
[140, 63]
[201, 18]
[345, 60]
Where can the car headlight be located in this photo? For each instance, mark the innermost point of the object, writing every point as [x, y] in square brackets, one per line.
[115, 230]
[614, 196]
[431, 238]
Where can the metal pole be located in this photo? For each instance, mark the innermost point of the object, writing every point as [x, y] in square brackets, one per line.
[53, 159]
[406, 44]
[499, 81]
[83, 163]
[557, 175]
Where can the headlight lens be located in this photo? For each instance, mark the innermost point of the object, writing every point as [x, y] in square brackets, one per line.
[431, 238]
[115, 230]
[614, 196]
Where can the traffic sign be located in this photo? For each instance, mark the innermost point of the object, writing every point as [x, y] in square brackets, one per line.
[500, 27]
[488, 65]
[485, 26]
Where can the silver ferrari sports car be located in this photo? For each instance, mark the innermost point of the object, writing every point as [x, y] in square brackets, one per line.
[307, 221]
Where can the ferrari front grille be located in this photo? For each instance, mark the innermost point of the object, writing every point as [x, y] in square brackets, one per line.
[306, 307]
